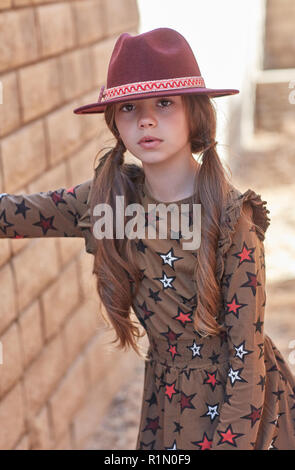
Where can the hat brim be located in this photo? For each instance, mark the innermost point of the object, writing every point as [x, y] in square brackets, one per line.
[99, 107]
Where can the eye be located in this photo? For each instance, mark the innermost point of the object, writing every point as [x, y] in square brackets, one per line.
[160, 101]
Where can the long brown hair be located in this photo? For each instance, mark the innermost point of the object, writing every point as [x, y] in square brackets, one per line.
[118, 276]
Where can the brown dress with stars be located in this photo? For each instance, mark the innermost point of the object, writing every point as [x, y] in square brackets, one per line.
[228, 392]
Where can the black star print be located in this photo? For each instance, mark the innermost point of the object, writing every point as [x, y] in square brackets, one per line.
[214, 358]
[147, 313]
[155, 295]
[22, 208]
[278, 394]
[141, 246]
[258, 325]
[6, 224]
[152, 400]
[191, 301]
[262, 382]
[147, 446]
[178, 427]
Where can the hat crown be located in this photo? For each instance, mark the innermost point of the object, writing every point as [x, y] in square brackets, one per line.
[160, 54]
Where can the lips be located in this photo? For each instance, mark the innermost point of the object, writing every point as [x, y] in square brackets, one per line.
[149, 139]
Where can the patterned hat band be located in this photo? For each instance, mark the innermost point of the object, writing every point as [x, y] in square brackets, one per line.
[130, 89]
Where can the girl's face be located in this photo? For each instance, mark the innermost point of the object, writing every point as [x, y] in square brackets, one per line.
[162, 117]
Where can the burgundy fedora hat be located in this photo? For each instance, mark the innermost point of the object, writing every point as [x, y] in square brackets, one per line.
[156, 63]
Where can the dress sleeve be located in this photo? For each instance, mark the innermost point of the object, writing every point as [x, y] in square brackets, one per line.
[243, 287]
[59, 213]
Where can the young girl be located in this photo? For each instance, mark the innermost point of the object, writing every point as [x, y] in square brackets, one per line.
[213, 378]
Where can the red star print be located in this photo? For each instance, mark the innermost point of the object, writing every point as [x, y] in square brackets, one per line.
[211, 379]
[45, 223]
[254, 416]
[185, 401]
[57, 197]
[233, 306]
[172, 349]
[252, 282]
[228, 436]
[72, 190]
[153, 425]
[183, 317]
[205, 444]
[245, 254]
[170, 390]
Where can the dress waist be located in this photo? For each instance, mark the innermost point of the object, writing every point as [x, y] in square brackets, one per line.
[195, 353]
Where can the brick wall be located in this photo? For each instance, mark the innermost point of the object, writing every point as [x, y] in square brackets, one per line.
[58, 376]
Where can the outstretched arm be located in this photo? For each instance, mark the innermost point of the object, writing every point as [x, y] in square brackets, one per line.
[45, 214]
[244, 303]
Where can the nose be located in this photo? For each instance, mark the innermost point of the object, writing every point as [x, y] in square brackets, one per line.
[147, 119]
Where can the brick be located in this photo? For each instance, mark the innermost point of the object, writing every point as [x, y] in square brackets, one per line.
[39, 259]
[68, 397]
[56, 28]
[11, 418]
[87, 279]
[10, 111]
[101, 54]
[273, 110]
[98, 354]
[23, 443]
[18, 38]
[40, 433]
[4, 251]
[31, 332]
[54, 178]
[91, 124]
[89, 20]
[40, 88]
[21, 3]
[64, 442]
[11, 368]
[7, 296]
[82, 163]
[5, 4]
[76, 73]
[23, 156]
[120, 16]
[68, 248]
[64, 130]
[59, 299]
[43, 375]
[80, 327]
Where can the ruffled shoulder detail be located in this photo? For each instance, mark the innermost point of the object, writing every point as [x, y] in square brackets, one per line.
[229, 219]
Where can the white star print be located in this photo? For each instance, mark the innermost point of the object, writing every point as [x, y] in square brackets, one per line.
[195, 349]
[166, 281]
[212, 411]
[173, 446]
[168, 258]
[240, 351]
[234, 375]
